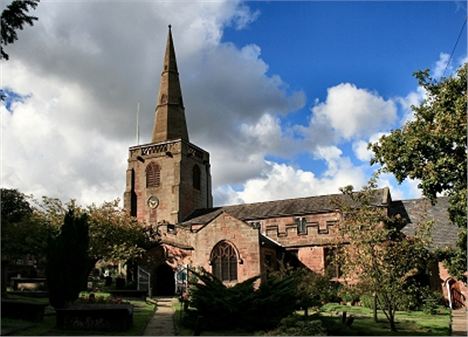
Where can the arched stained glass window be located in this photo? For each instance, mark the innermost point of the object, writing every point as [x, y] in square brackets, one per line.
[196, 176]
[153, 175]
[224, 262]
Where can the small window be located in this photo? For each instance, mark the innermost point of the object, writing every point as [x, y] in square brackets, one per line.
[301, 224]
[153, 175]
[333, 267]
[196, 176]
[224, 262]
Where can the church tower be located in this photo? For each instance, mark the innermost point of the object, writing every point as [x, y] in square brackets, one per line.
[170, 177]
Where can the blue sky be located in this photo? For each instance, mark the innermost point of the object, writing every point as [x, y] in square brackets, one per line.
[376, 45]
[284, 95]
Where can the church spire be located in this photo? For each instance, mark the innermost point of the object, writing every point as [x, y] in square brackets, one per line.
[169, 122]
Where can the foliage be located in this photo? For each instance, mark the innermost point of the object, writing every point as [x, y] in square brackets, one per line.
[14, 205]
[377, 258]
[14, 17]
[113, 233]
[242, 306]
[68, 261]
[22, 232]
[296, 325]
[313, 290]
[432, 147]
[432, 302]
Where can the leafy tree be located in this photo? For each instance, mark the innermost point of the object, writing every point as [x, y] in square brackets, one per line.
[113, 233]
[14, 17]
[68, 260]
[432, 147]
[376, 257]
[14, 205]
[23, 234]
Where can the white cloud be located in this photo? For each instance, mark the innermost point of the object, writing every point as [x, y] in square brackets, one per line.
[442, 64]
[354, 112]
[360, 147]
[414, 98]
[408, 189]
[281, 181]
[86, 68]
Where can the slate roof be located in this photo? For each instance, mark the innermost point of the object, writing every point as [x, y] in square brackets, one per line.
[444, 232]
[278, 208]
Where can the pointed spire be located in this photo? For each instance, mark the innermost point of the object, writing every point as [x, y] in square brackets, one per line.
[169, 122]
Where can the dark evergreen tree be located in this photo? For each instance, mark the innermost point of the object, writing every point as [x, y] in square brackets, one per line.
[68, 260]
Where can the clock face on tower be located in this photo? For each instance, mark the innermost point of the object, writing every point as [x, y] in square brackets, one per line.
[153, 202]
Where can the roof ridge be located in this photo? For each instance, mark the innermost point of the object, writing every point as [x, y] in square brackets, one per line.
[288, 199]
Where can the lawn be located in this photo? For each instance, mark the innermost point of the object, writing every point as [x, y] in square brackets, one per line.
[408, 323]
[142, 312]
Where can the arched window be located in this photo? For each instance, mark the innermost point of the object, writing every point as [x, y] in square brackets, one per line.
[196, 176]
[224, 262]
[153, 175]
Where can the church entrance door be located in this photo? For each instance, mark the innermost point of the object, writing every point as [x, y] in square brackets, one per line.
[164, 281]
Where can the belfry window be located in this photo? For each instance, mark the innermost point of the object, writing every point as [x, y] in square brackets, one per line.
[196, 176]
[153, 175]
[224, 262]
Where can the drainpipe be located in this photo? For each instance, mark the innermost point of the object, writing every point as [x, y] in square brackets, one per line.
[449, 294]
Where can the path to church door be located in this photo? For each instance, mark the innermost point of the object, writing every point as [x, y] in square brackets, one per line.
[164, 281]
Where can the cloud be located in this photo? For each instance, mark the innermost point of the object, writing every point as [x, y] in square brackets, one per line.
[441, 65]
[414, 98]
[85, 66]
[408, 189]
[281, 181]
[353, 112]
[360, 149]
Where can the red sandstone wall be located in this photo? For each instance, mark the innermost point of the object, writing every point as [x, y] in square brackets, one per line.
[242, 236]
[444, 276]
[321, 229]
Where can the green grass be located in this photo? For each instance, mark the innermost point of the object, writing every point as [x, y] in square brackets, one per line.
[142, 312]
[408, 323]
[25, 298]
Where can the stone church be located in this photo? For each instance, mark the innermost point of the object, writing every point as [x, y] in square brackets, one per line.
[168, 185]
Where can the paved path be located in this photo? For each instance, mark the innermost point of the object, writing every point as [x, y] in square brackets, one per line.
[459, 322]
[162, 323]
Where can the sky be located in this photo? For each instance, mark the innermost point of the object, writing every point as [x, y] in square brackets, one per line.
[284, 95]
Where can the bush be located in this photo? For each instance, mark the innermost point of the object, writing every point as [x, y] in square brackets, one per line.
[314, 290]
[296, 325]
[431, 302]
[349, 294]
[241, 306]
[367, 301]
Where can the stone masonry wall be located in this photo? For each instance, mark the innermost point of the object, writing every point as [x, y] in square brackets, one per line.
[244, 238]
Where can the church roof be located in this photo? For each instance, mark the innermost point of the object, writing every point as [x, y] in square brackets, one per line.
[279, 208]
[444, 232]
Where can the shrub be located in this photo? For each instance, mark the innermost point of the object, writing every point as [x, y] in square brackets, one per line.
[314, 289]
[431, 302]
[367, 301]
[241, 306]
[349, 294]
[296, 325]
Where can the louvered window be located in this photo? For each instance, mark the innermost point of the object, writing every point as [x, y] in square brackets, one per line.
[224, 262]
[153, 175]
